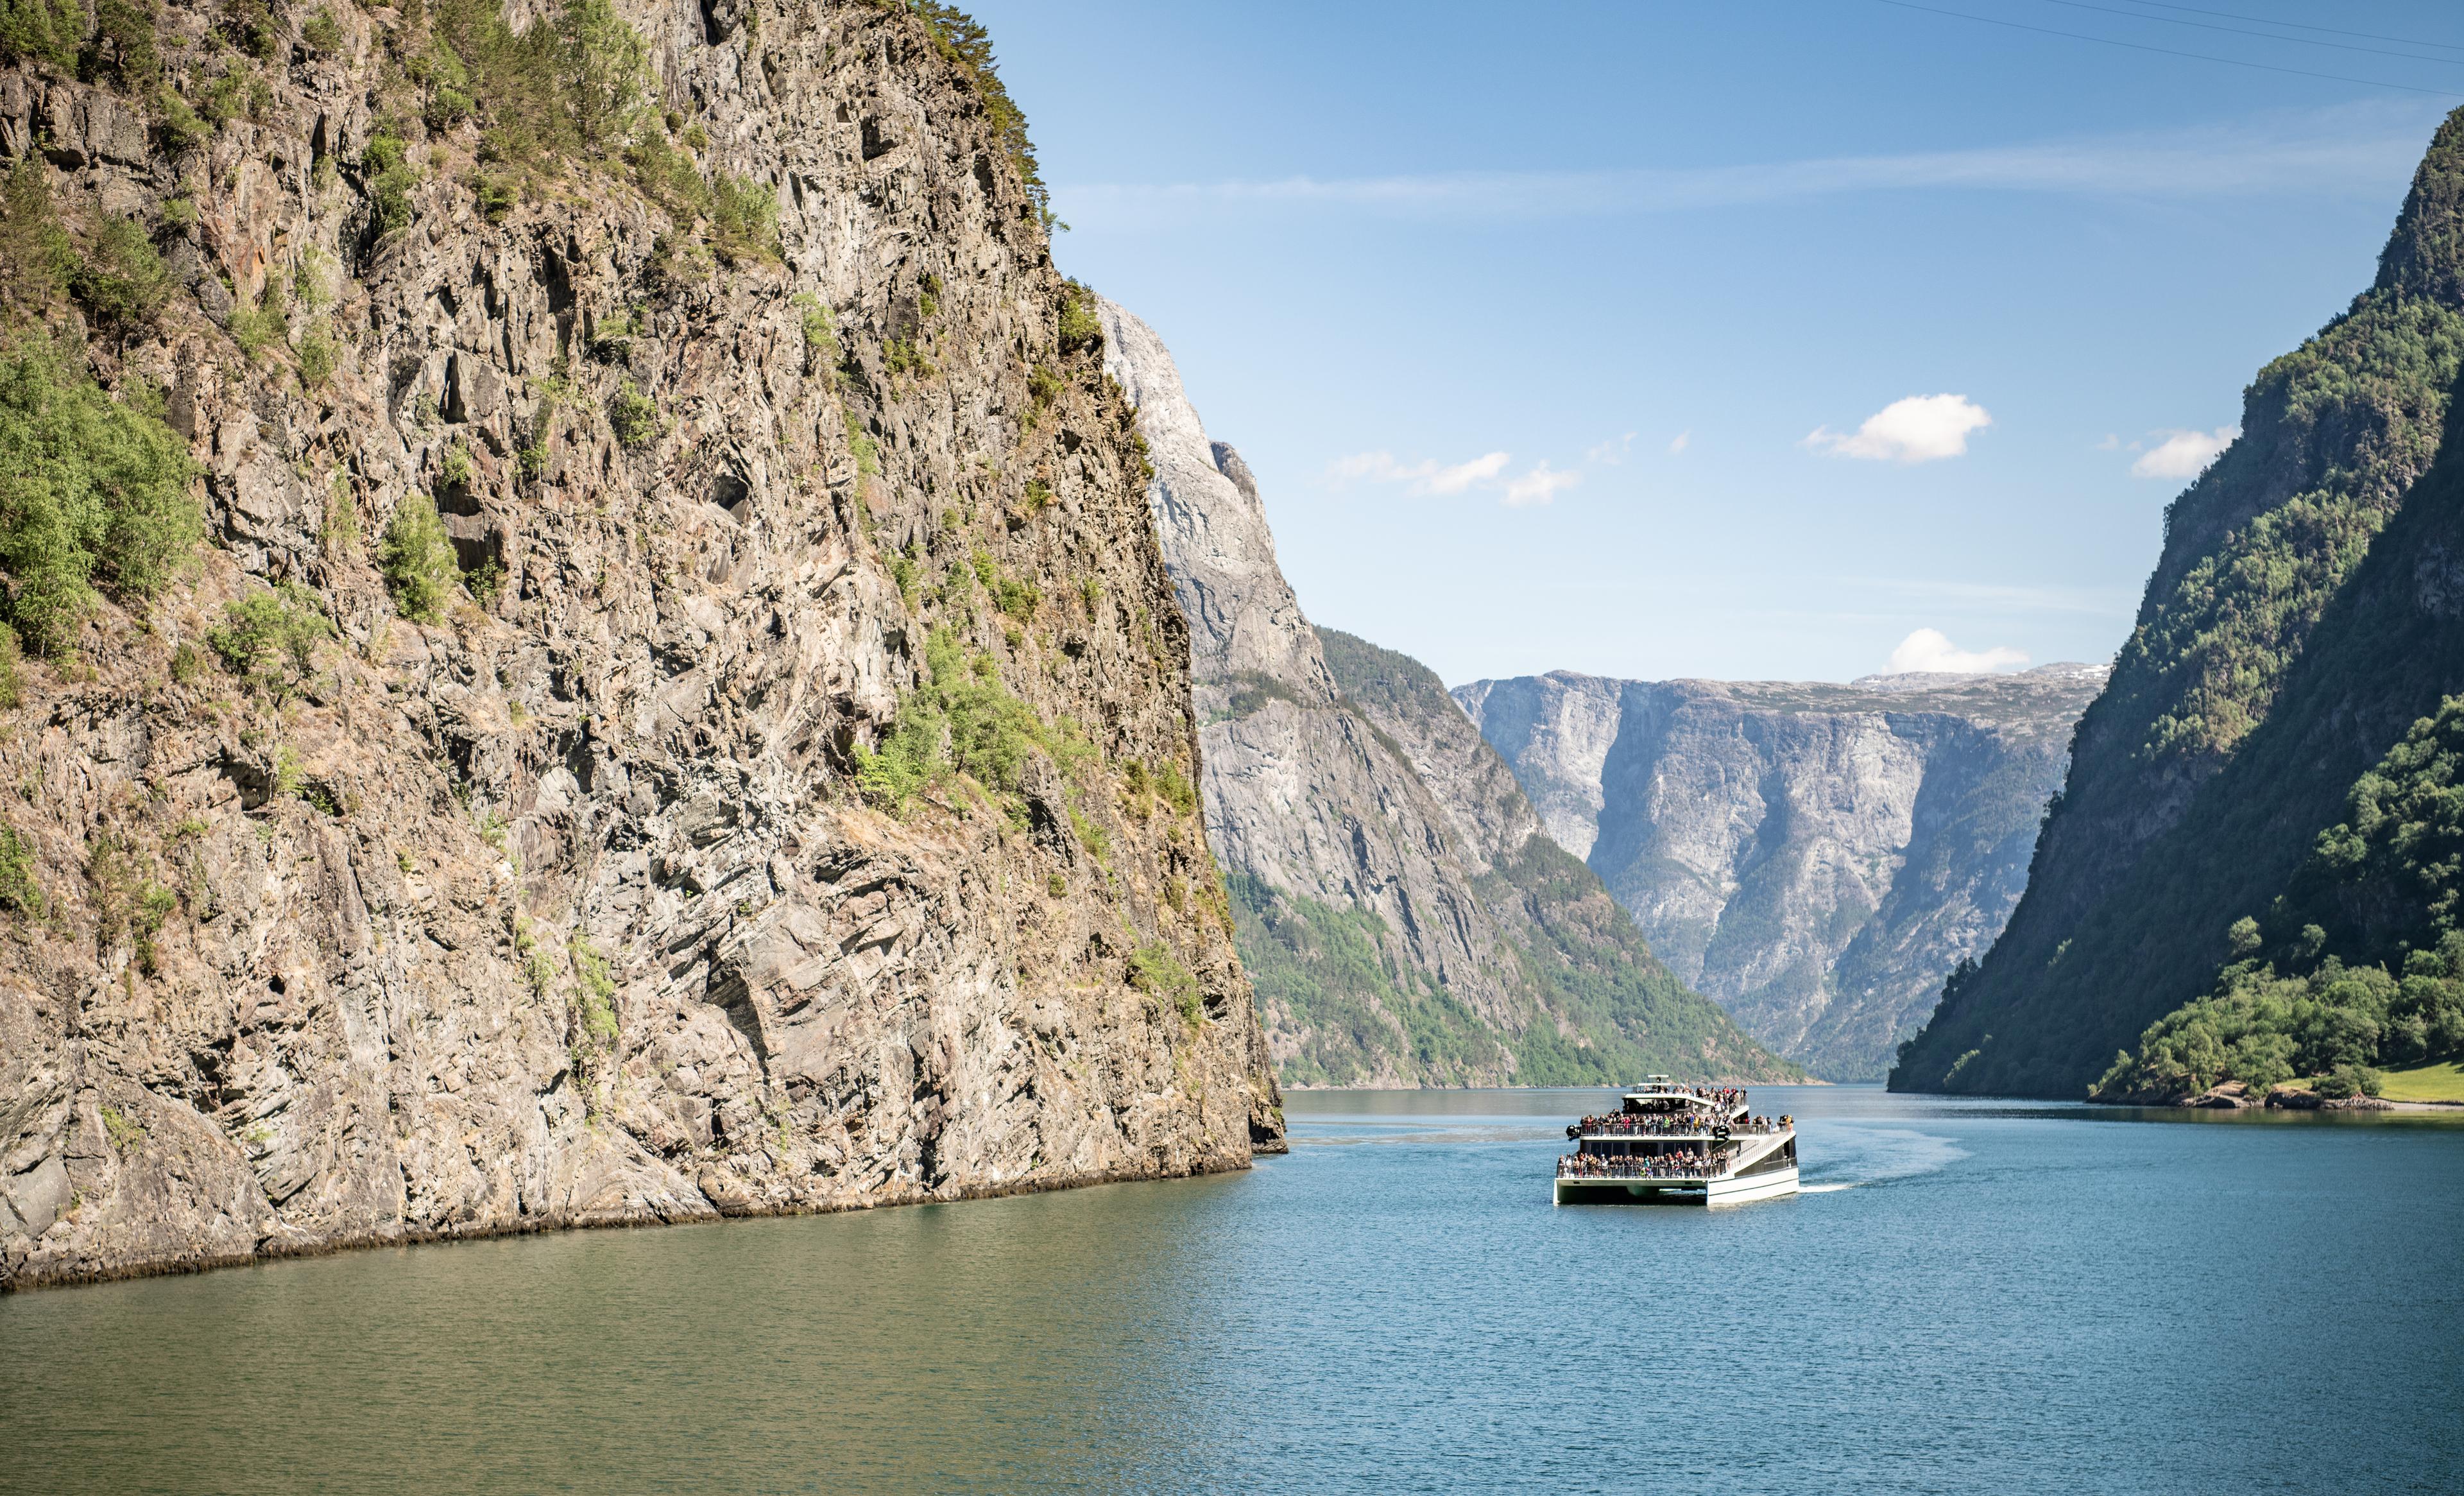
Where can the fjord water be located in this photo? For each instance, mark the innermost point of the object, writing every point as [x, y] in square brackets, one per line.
[1971, 1297]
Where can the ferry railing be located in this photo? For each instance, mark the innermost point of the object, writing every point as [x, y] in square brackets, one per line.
[1716, 1167]
[1696, 1127]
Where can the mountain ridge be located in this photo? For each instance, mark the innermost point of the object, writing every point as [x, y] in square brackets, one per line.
[1813, 855]
[1382, 873]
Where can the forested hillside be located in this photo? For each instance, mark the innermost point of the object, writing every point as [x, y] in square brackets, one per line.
[2251, 787]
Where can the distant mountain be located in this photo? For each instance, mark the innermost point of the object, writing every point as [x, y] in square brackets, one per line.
[1815, 857]
[2251, 787]
[1402, 914]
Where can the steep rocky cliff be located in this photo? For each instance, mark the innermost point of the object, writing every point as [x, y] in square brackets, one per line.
[1403, 918]
[754, 792]
[2302, 617]
[1815, 857]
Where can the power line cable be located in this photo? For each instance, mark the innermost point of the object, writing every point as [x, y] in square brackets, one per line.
[2172, 52]
[2298, 41]
[2299, 26]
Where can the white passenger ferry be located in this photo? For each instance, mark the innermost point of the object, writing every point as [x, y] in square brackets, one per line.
[1698, 1144]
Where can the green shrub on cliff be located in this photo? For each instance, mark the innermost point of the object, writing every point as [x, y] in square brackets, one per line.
[1079, 326]
[418, 560]
[92, 490]
[120, 278]
[1155, 970]
[961, 39]
[270, 638]
[42, 30]
[123, 47]
[18, 891]
[323, 32]
[960, 717]
[35, 254]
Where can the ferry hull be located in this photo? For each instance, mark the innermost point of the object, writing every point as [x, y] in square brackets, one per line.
[1732, 1191]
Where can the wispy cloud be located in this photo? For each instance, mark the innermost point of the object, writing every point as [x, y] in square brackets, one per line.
[1426, 477]
[1608, 454]
[1680, 442]
[1932, 650]
[2356, 148]
[1540, 485]
[2183, 454]
[1537, 484]
[1918, 429]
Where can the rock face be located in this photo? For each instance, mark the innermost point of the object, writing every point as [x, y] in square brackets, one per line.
[1815, 857]
[566, 908]
[1403, 917]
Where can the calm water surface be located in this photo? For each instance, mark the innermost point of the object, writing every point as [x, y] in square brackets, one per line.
[1971, 1297]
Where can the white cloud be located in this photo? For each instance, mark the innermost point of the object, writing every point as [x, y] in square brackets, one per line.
[1932, 650]
[1609, 454]
[1539, 485]
[1464, 474]
[1682, 440]
[1919, 428]
[1426, 477]
[2183, 454]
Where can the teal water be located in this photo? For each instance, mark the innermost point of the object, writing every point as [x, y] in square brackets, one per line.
[1972, 1297]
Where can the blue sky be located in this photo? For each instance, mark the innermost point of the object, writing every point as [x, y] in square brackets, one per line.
[1709, 275]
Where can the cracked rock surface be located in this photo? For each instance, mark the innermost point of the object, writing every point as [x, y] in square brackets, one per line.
[566, 908]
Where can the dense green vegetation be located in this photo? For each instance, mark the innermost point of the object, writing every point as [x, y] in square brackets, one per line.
[2340, 1023]
[2361, 408]
[959, 717]
[2286, 644]
[270, 638]
[1324, 971]
[417, 559]
[94, 492]
[2366, 939]
[2387, 877]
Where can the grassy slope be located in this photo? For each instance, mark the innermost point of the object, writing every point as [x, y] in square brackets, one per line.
[2425, 1083]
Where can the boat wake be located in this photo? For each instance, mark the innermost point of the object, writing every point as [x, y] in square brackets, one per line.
[1877, 1154]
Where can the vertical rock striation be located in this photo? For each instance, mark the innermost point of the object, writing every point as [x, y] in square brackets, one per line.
[1815, 857]
[1403, 918]
[571, 906]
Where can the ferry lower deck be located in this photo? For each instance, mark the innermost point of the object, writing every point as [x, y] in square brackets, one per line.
[1730, 1190]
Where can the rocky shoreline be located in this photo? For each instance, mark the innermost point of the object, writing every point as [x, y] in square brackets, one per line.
[2237, 1096]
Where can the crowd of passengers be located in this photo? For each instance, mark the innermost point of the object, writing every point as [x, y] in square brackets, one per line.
[1673, 1125]
[1663, 1166]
